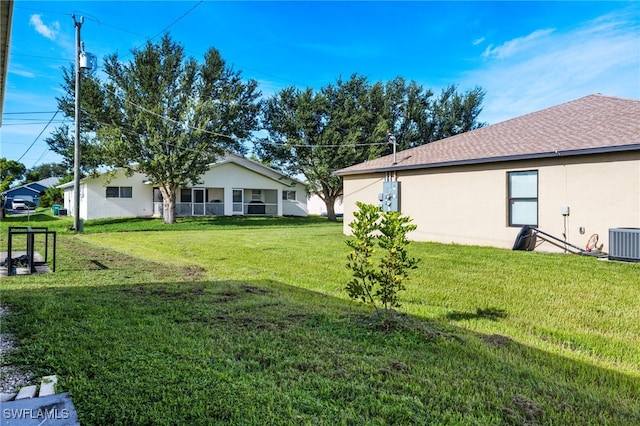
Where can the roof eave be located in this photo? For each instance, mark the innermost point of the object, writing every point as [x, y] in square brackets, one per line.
[568, 153]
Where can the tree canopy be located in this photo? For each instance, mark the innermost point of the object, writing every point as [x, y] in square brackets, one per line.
[164, 115]
[10, 171]
[44, 171]
[316, 133]
[92, 103]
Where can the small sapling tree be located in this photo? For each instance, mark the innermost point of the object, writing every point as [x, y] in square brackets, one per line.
[379, 276]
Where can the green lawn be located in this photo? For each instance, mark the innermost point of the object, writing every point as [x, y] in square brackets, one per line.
[234, 321]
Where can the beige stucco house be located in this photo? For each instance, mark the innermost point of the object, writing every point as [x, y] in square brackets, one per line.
[234, 185]
[572, 170]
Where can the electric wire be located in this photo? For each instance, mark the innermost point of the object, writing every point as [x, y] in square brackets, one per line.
[37, 137]
[178, 19]
[28, 112]
[222, 135]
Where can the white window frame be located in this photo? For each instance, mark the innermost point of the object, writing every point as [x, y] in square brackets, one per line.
[122, 191]
[289, 195]
[522, 198]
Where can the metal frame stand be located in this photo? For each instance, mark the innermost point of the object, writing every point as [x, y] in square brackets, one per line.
[30, 233]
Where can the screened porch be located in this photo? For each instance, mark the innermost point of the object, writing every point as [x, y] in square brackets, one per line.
[211, 202]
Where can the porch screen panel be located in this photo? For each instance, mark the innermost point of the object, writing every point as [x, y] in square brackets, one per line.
[198, 202]
[237, 201]
[523, 198]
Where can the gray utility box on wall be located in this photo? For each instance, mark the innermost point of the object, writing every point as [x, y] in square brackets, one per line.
[390, 196]
[624, 244]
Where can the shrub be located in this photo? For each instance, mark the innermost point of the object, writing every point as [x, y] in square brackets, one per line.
[379, 276]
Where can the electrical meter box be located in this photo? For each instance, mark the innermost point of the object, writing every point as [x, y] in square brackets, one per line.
[390, 196]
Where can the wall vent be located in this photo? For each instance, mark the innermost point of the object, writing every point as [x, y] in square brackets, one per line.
[624, 244]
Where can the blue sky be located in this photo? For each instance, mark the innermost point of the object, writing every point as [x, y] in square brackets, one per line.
[526, 55]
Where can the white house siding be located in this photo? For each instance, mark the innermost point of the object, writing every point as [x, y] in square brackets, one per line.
[468, 204]
[97, 205]
[219, 182]
[231, 176]
[315, 205]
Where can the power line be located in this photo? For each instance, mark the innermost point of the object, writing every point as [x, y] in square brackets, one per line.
[28, 112]
[171, 120]
[37, 137]
[178, 19]
[42, 57]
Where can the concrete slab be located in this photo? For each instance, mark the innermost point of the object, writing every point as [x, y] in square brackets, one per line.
[53, 410]
[27, 392]
[8, 396]
[47, 385]
[41, 267]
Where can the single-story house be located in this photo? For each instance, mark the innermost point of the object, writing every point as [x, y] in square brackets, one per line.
[30, 191]
[234, 185]
[572, 170]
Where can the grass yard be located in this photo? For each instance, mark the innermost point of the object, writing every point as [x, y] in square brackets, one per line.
[232, 321]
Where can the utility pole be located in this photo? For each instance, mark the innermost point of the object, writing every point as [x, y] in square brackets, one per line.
[77, 222]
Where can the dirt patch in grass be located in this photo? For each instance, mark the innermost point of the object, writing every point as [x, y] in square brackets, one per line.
[394, 367]
[497, 340]
[524, 411]
[252, 289]
[182, 291]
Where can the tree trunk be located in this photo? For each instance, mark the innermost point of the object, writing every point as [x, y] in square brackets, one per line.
[331, 211]
[168, 206]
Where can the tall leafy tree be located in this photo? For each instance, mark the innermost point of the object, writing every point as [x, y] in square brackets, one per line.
[44, 171]
[162, 114]
[454, 113]
[92, 107]
[10, 171]
[172, 116]
[315, 133]
[415, 117]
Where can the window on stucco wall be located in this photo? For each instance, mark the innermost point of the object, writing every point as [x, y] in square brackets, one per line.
[289, 195]
[119, 192]
[523, 198]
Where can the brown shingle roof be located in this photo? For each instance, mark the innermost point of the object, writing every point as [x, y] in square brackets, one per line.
[591, 124]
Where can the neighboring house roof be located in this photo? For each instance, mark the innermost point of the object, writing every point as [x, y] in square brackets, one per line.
[36, 187]
[49, 182]
[247, 164]
[592, 124]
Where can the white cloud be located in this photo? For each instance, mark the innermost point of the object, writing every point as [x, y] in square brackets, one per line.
[48, 31]
[516, 45]
[547, 68]
[21, 72]
[478, 41]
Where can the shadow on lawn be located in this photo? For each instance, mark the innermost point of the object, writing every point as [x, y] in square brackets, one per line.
[267, 325]
[492, 314]
[118, 320]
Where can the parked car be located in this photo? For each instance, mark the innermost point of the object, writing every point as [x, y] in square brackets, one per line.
[20, 204]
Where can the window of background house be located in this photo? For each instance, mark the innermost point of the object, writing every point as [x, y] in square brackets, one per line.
[185, 195]
[289, 195]
[119, 192]
[126, 192]
[523, 198]
[256, 195]
[113, 192]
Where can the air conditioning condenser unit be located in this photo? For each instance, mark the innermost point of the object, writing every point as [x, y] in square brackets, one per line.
[624, 244]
